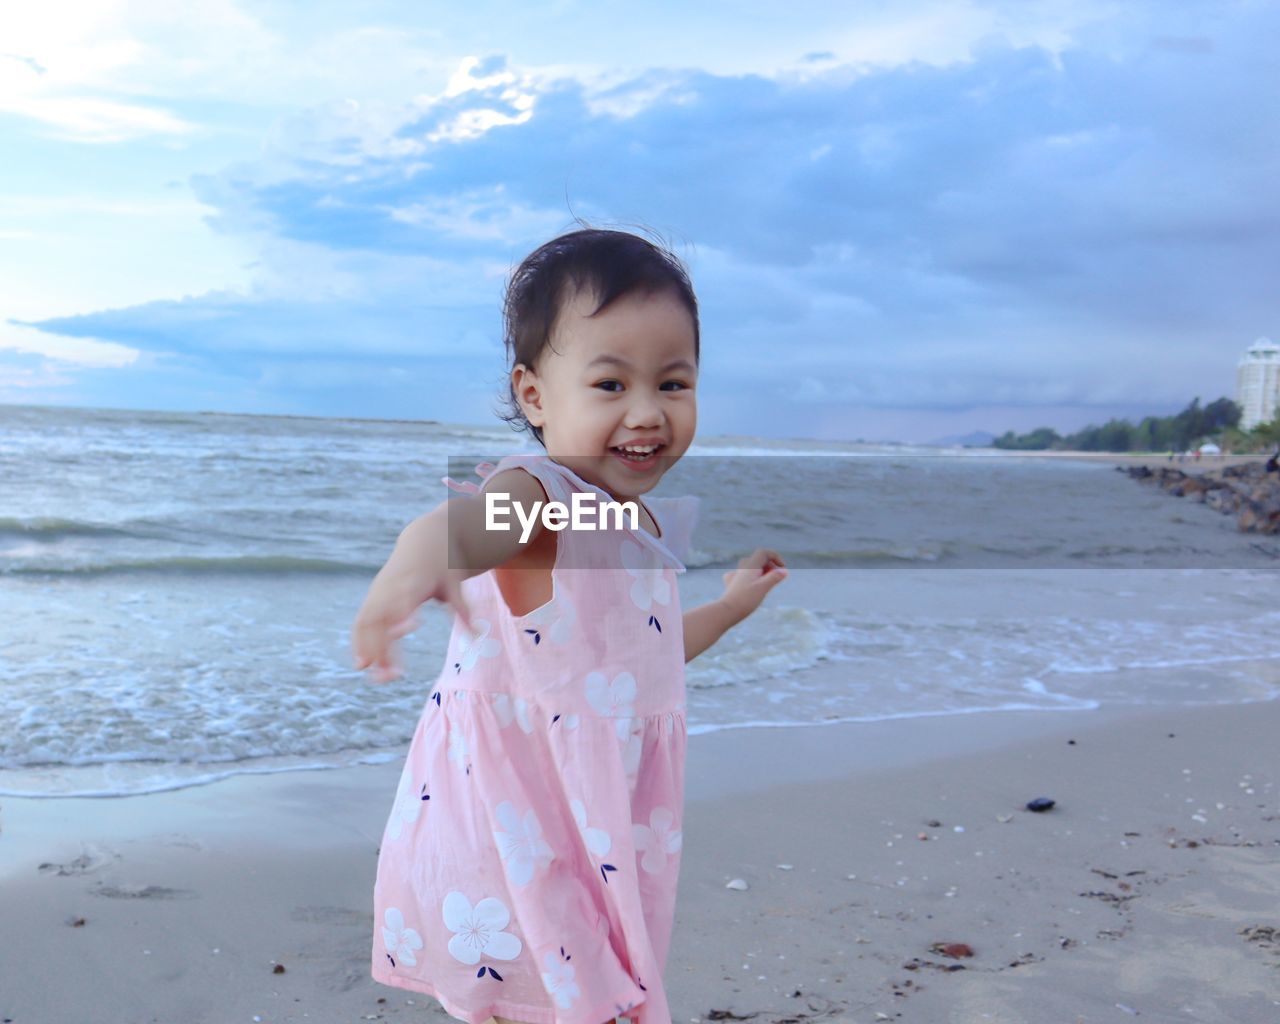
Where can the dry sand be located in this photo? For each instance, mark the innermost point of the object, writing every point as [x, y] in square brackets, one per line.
[1151, 891]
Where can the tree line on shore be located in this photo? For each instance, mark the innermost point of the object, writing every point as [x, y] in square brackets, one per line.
[1218, 421]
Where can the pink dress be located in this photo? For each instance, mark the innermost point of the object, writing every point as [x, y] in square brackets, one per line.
[528, 867]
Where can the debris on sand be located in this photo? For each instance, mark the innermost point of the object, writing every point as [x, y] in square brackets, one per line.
[1264, 935]
[955, 950]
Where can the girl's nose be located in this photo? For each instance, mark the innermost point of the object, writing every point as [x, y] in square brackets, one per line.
[644, 411]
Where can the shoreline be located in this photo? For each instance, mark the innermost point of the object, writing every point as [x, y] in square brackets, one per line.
[190, 897]
[379, 759]
[716, 768]
[1153, 461]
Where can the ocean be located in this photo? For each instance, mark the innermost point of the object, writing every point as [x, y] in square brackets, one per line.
[177, 589]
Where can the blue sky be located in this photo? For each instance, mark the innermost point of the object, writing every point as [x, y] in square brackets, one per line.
[904, 220]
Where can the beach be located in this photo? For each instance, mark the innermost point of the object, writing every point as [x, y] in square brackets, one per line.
[1148, 890]
[194, 781]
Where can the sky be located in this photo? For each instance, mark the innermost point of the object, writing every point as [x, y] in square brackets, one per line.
[904, 221]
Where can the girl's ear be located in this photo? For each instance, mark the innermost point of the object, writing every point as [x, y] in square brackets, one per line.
[528, 391]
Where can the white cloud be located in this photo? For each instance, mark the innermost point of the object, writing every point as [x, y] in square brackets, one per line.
[83, 352]
[86, 119]
[38, 206]
[21, 384]
[115, 70]
[958, 218]
[79, 251]
[58, 55]
[479, 215]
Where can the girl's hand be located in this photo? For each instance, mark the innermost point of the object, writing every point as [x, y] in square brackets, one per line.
[390, 608]
[746, 586]
[432, 556]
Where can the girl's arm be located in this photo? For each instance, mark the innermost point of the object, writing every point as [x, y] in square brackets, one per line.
[745, 587]
[432, 556]
[704, 625]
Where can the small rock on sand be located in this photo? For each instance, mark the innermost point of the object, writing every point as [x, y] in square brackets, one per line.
[952, 949]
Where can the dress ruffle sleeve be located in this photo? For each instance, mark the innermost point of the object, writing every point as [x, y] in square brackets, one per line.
[677, 517]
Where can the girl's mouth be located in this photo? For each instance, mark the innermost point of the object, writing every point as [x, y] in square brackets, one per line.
[638, 457]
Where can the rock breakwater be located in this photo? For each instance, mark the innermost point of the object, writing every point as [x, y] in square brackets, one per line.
[1248, 491]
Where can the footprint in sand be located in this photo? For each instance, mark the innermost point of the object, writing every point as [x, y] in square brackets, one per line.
[333, 915]
[93, 858]
[142, 892]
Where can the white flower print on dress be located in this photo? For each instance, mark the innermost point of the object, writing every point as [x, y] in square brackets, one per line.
[656, 840]
[596, 839]
[553, 622]
[408, 806]
[478, 930]
[521, 844]
[503, 709]
[399, 940]
[559, 982]
[635, 746]
[472, 648]
[649, 585]
[457, 744]
[613, 700]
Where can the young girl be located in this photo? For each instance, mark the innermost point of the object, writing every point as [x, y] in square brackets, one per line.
[528, 868]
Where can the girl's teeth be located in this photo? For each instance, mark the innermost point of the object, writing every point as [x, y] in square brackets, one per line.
[638, 454]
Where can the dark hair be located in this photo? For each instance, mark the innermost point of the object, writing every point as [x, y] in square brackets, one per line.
[609, 265]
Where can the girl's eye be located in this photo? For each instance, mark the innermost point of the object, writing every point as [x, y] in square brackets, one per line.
[667, 385]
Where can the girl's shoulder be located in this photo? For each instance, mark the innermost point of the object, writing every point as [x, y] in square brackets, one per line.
[534, 477]
[516, 471]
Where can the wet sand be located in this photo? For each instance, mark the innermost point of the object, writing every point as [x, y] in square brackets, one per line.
[1148, 891]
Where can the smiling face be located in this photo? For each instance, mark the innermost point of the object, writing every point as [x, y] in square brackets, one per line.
[624, 377]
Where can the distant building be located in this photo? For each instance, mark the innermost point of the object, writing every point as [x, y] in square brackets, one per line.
[1258, 383]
